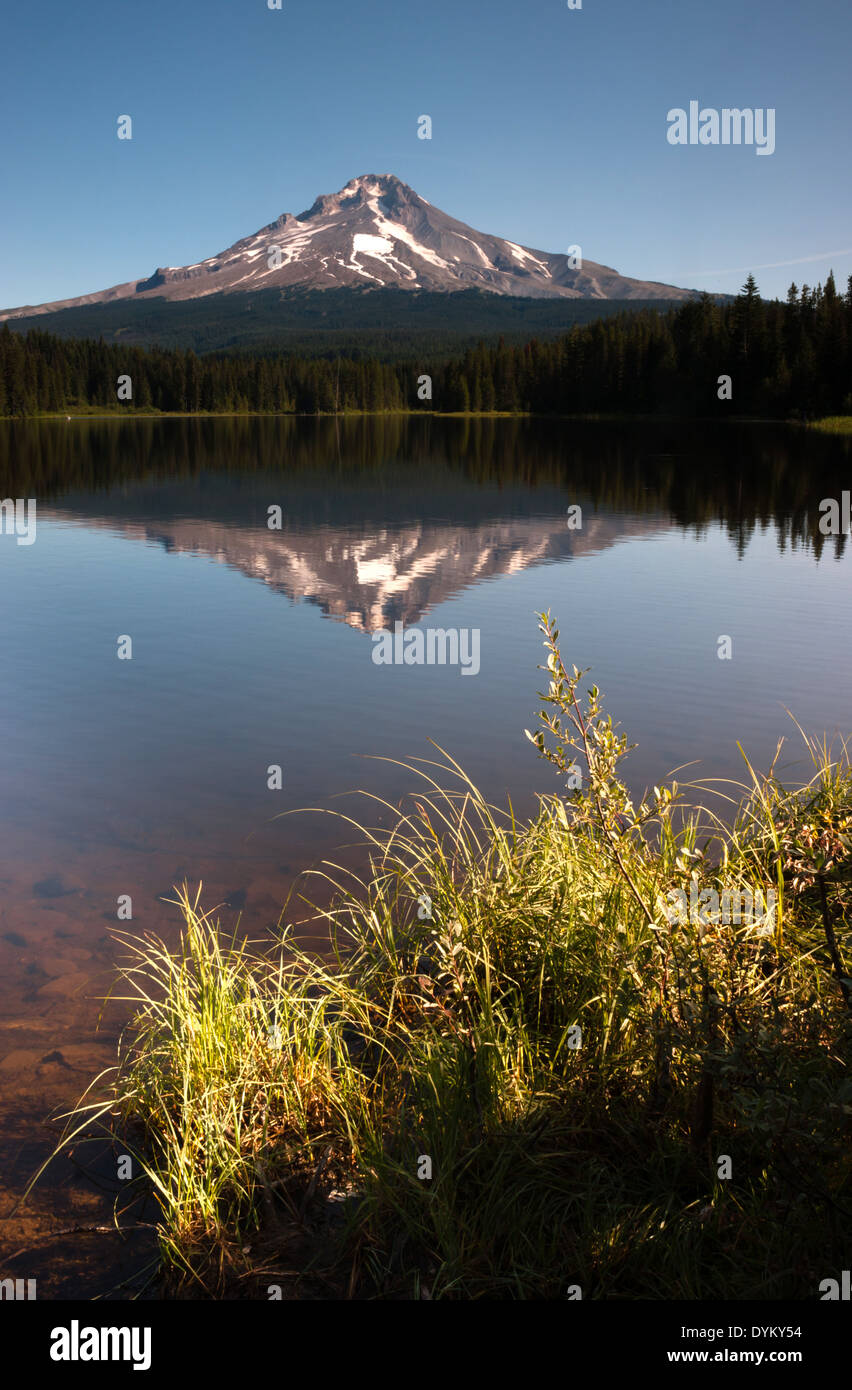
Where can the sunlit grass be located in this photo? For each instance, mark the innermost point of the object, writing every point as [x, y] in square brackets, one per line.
[442, 1023]
[833, 424]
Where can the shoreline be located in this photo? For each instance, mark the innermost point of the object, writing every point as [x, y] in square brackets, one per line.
[835, 424]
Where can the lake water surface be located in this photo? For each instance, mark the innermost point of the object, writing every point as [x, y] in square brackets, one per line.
[253, 647]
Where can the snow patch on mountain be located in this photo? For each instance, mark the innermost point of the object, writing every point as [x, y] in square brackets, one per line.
[478, 249]
[521, 255]
[401, 234]
[372, 244]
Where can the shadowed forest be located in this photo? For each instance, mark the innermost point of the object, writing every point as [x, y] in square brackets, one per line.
[784, 360]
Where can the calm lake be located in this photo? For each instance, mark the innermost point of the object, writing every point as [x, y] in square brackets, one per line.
[252, 648]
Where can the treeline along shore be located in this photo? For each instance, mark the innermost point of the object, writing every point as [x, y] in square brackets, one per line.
[703, 358]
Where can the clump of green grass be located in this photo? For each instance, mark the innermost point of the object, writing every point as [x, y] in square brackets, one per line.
[514, 1065]
[833, 424]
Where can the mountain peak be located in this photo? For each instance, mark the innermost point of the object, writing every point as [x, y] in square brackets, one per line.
[383, 181]
[359, 191]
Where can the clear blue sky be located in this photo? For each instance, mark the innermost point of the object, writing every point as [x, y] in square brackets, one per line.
[549, 127]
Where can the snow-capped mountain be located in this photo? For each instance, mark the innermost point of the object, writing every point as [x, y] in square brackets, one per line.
[376, 232]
